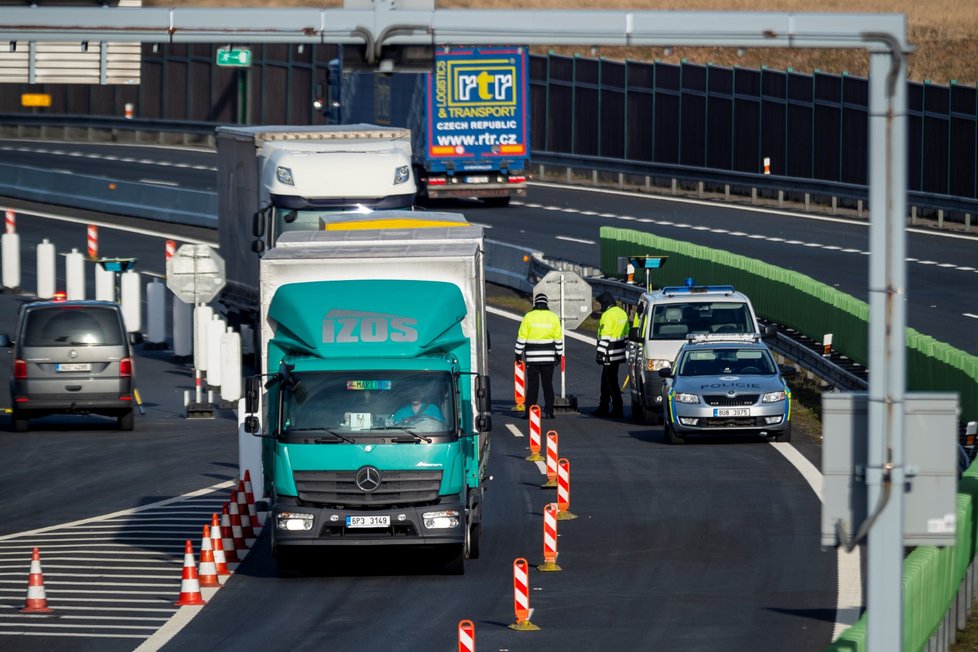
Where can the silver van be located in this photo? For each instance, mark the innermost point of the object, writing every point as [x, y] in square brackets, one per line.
[70, 357]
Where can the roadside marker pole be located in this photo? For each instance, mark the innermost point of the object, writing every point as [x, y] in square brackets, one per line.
[549, 539]
[563, 490]
[519, 386]
[466, 636]
[551, 460]
[170, 249]
[9, 221]
[92, 240]
[535, 441]
[521, 597]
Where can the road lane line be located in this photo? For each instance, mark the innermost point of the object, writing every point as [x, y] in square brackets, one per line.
[516, 432]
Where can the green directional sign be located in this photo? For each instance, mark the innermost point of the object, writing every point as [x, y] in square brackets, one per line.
[237, 57]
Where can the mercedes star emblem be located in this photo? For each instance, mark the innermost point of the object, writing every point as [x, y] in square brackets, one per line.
[368, 479]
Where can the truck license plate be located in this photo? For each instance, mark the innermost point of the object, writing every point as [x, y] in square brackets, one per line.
[477, 179]
[368, 521]
[73, 366]
[731, 412]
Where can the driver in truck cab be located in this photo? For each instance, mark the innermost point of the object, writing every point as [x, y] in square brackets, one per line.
[417, 409]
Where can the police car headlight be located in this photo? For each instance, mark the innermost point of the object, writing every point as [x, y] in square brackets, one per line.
[687, 398]
[448, 518]
[773, 397]
[293, 521]
[402, 174]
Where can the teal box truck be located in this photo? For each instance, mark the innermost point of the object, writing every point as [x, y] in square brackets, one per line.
[376, 420]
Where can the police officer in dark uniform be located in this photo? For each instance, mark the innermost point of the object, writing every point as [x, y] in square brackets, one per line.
[541, 341]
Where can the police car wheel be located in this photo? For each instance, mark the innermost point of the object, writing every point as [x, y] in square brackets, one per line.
[784, 435]
[671, 436]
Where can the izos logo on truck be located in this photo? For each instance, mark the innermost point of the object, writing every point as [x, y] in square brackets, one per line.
[349, 327]
[478, 104]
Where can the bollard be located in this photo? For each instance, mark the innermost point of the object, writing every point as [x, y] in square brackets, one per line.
[466, 636]
[563, 490]
[45, 269]
[131, 301]
[551, 461]
[155, 315]
[91, 238]
[230, 366]
[215, 330]
[521, 597]
[202, 316]
[827, 345]
[534, 434]
[767, 165]
[9, 221]
[549, 539]
[519, 386]
[128, 110]
[104, 284]
[74, 275]
[169, 249]
[182, 314]
[10, 249]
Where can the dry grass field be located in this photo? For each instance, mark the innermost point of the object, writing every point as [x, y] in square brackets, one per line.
[944, 33]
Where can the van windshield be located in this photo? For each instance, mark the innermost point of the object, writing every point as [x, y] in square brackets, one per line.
[72, 326]
[674, 321]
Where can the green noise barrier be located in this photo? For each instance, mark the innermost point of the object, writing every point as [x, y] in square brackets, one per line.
[799, 302]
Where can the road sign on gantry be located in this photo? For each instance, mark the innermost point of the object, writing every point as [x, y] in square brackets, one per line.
[568, 295]
[195, 273]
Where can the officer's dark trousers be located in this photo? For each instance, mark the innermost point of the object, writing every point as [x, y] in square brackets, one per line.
[610, 391]
[537, 375]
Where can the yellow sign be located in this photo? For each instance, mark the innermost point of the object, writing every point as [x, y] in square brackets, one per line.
[35, 99]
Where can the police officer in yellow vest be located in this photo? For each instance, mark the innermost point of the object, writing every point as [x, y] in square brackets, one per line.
[612, 333]
[541, 340]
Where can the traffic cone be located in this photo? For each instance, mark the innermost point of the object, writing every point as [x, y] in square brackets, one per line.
[37, 602]
[208, 570]
[217, 544]
[189, 584]
[247, 536]
[240, 545]
[250, 495]
[227, 538]
[247, 529]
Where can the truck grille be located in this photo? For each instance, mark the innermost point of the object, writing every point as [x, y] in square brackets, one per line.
[397, 488]
[722, 400]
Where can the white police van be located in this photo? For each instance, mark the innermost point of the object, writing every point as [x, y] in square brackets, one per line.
[663, 321]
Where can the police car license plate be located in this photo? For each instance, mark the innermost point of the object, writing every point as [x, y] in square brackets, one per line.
[74, 366]
[731, 412]
[368, 521]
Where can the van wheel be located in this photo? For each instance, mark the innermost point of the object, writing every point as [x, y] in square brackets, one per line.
[126, 421]
[19, 420]
[638, 413]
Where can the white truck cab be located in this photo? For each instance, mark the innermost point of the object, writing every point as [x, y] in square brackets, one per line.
[663, 321]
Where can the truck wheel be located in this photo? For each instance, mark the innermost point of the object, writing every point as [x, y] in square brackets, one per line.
[497, 202]
[671, 436]
[473, 540]
[454, 560]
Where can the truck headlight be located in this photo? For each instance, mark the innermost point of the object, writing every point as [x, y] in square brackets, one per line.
[655, 365]
[284, 175]
[448, 518]
[687, 398]
[773, 397]
[402, 174]
[293, 521]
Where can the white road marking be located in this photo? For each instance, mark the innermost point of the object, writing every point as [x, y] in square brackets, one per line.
[516, 432]
[580, 240]
[968, 314]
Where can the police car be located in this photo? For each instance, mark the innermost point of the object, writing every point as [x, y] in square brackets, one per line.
[726, 383]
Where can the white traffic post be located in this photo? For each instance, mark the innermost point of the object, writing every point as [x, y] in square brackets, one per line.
[45, 269]
[182, 314]
[104, 284]
[131, 301]
[215, 331]
[10, 248]
[156, 314]
[230, 366]
[74, 275]
[202, 317]
[563, 358]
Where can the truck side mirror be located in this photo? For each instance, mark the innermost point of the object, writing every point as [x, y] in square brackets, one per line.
[251, 424]
[252, 392]
[258, 223]
[633, 335]
[258, 246]
[483, 423]
[483, 393]
[770, 331]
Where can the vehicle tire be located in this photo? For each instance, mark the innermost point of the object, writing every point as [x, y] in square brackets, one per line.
[473, 541]
[453, 561]
[497, 202]
[784, 435]
[671, 436]
[126, 420]
[638, 413]
[19, 421]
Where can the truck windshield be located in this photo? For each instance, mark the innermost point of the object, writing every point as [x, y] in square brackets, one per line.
[674, 321]
[371, 403]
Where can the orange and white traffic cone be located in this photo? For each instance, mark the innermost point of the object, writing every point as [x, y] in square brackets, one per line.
[227, 536]
[190, 583]
[252, 508]
[240, 544]
[217, 547]
[37, 601]
[247, 527]
[246, 534]
[207, 573]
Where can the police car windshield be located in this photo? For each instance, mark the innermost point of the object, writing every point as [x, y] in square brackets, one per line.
[675, 321]
[726, 362]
